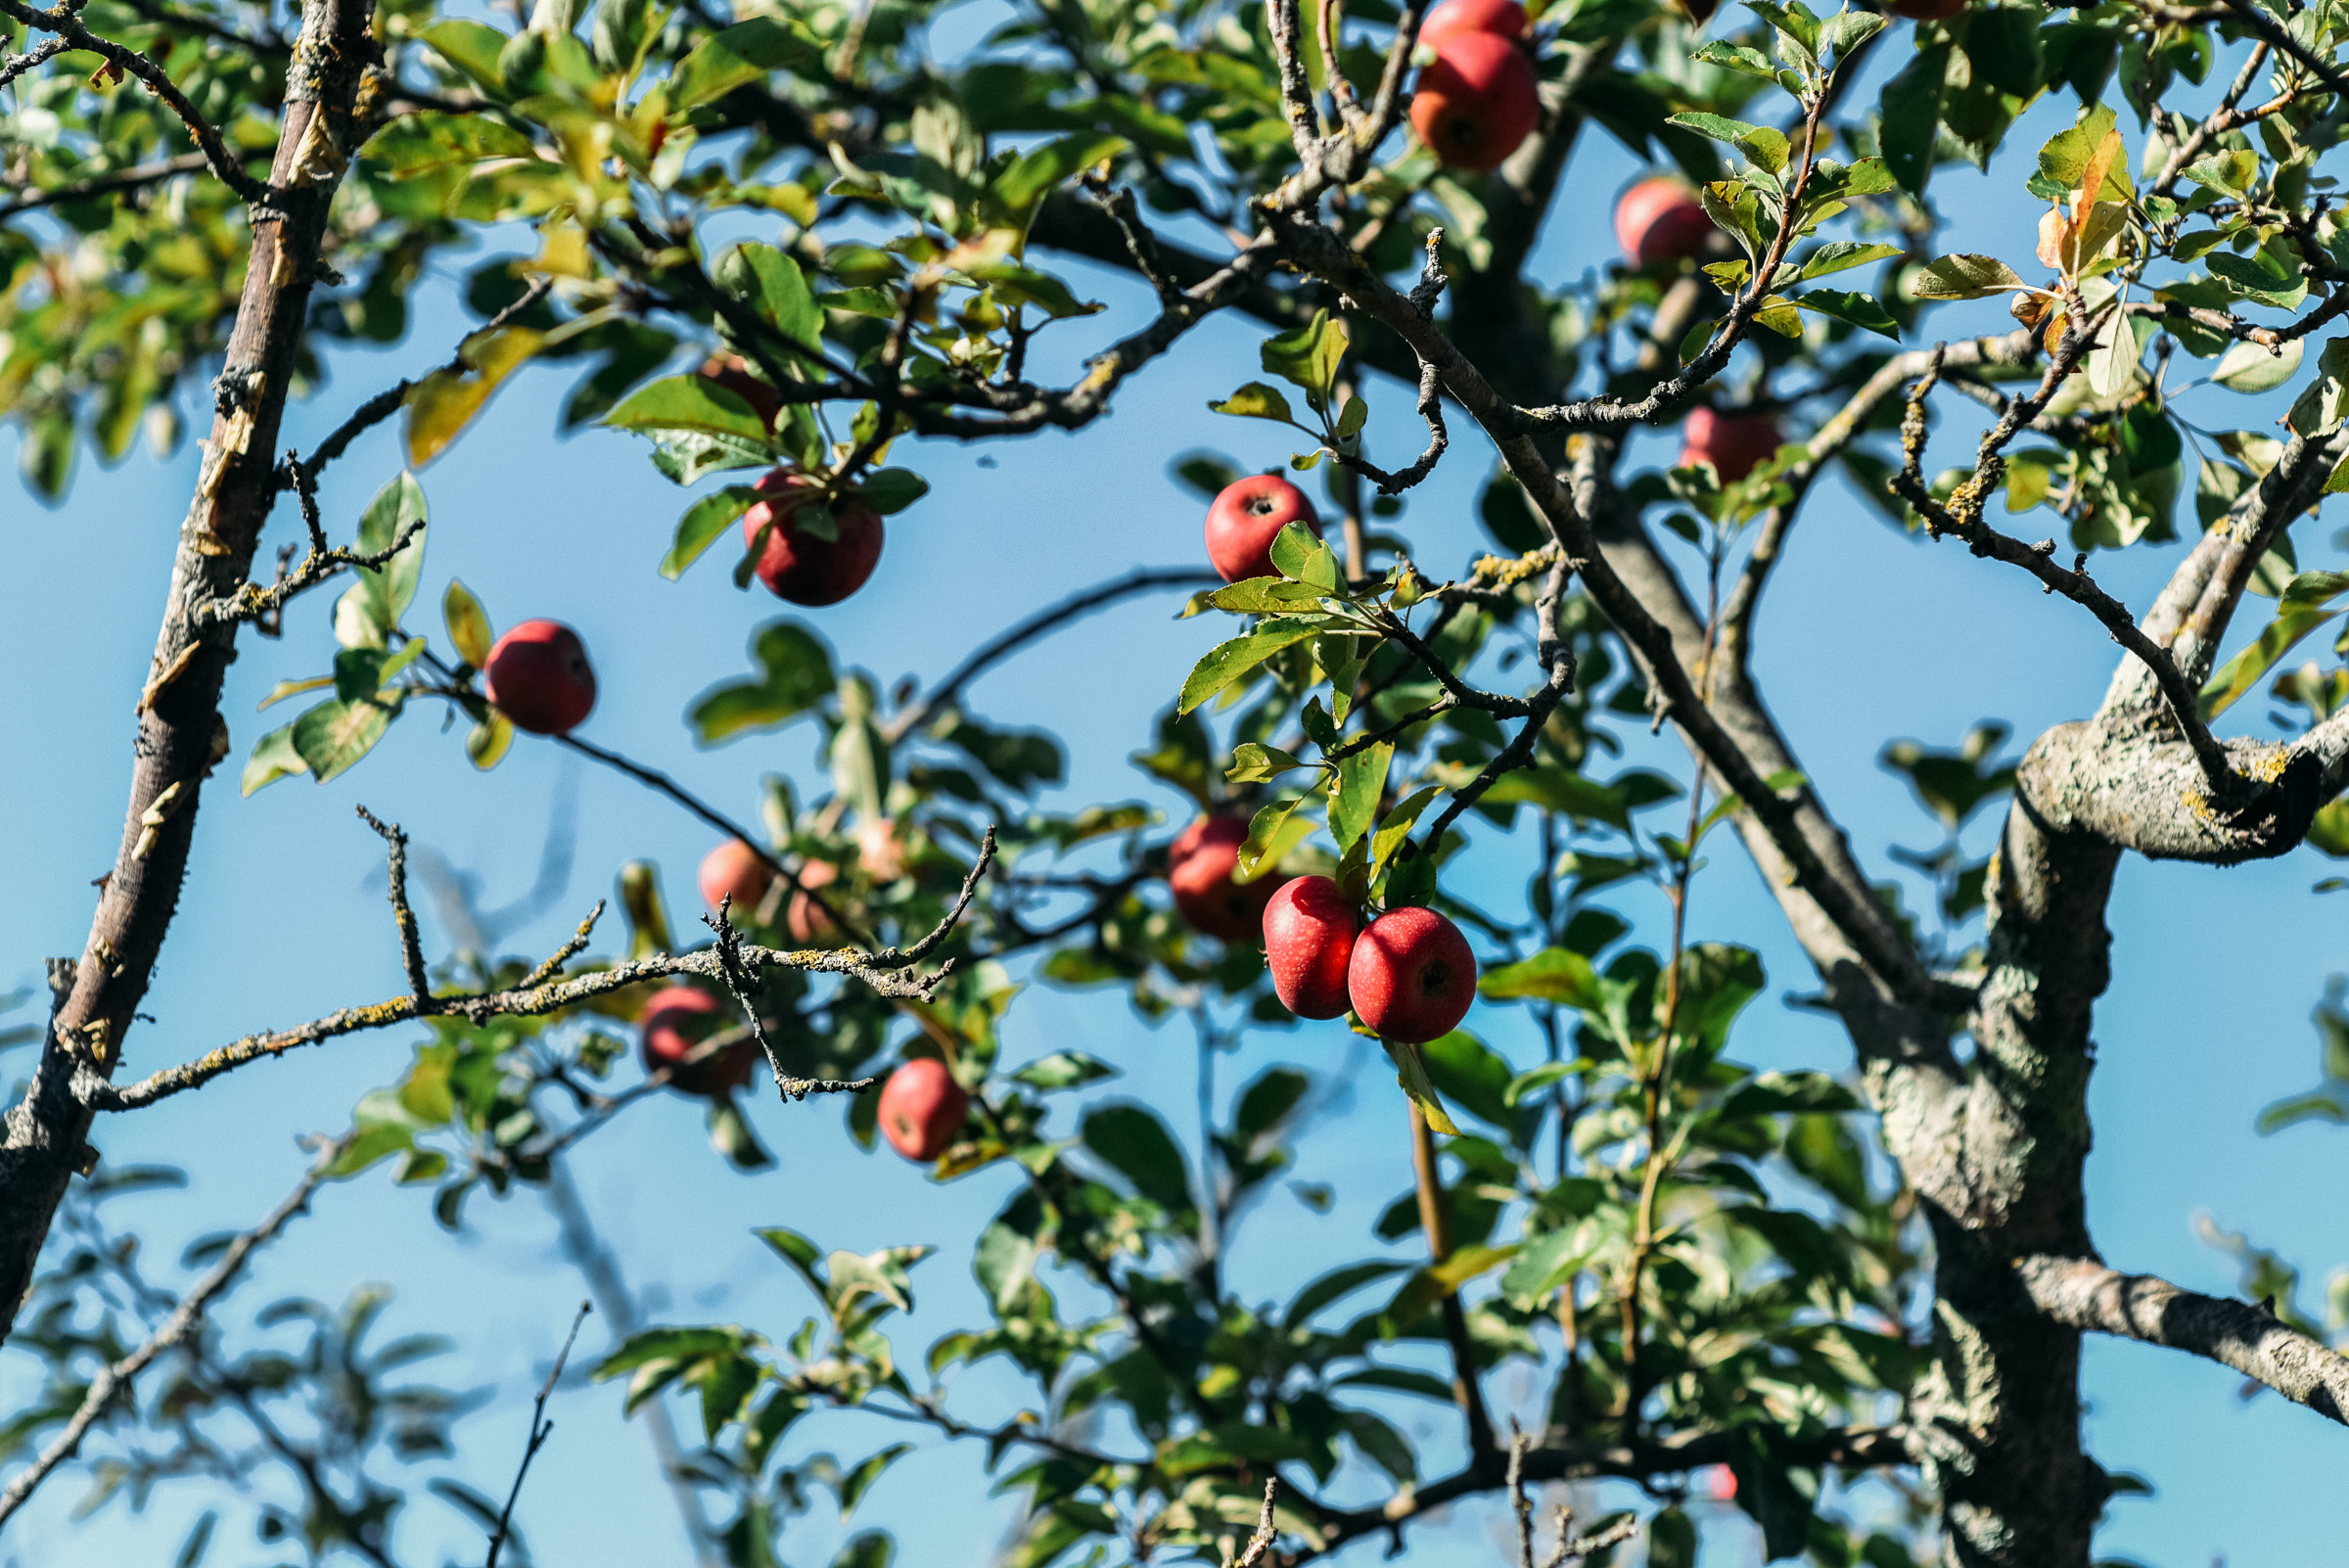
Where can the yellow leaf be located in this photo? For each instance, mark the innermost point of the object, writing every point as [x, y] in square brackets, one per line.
[445, 401]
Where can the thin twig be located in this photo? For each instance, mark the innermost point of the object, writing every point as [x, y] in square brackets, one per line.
[1262, 1541]
[411, 941]
[540, 1430]
[185, 1320]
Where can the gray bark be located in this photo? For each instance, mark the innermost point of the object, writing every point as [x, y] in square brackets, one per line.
[181, 732]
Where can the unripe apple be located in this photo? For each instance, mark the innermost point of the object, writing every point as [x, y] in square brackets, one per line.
[1413, 976]
[794, 564]
[1310, 929]
[734, 870]
[1476, 100]
[730, 370]
[675, 1023]
[1927, 10]
[1199, 869]
[922, 1108]
[1502, 19]
[537, 677]
[1660, 220]
[1246, 516]
[1736, 445]
[806, 919]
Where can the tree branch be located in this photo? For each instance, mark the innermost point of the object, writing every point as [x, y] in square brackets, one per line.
[540, 1430]
[2083, 1293]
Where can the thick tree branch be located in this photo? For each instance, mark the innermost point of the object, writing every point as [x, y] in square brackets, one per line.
[2083, 1293]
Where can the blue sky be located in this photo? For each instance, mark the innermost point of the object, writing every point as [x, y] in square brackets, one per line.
[1868, 636]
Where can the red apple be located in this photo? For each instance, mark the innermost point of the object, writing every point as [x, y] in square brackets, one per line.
[1413, 976]
[1927, 10]
[1241, 525]
[730, 370]
[675, 1023]
[734, 870]
[1477, 101]
[922, 1108]
[537, 677]
[1660, 220]
[1720, 1483]
[1733, 443]
[794, 564]
[809, 926]
[1503, 19]
[881, 849]
[1199, 869]
[1310, 929]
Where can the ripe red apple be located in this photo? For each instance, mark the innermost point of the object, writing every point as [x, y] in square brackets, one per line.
[1503, 19]
[1241, 525]
[1660, 220]
[1413, 976]
[922, 1108]
[730, 370]
[1310, 929]
[734, 870]
[1733, 443]
[794, 564]
[809, 926]
[1928, 10]
[537, 677]
[675, 1023]
[1477, 101]
[1199, 869]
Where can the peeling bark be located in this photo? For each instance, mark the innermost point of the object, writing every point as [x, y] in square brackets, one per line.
[182, 734]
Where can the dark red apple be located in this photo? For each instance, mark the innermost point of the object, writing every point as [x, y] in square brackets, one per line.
[794, 564]
[1199, 869]
[734, 870]
[1502, 19]
[537, 677]
[1310, 929]
[1736, 445]
[1477, 101]
[1246, 516]
[675, 1023]
[730, 370]
[1660, 220]
[1927, 10]
[922, 1108]
[1413, 976]
[809, 926]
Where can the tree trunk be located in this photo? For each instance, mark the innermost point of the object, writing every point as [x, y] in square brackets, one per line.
[182, 734]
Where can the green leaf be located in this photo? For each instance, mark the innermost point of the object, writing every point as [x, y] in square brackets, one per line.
[1310, 356]
[1554, 974]
[688, 403]
[468, 626]
[737, 57]
[1015, 195]
[2254, 277]
[2249, 368]
[702, 525]
[1361, 779]
[334, 735]
[1837, 255]
[772, 283]
[369, 611]
[1766, 146]
[273, 758]
[1136, 1143]
[889, 490]
[859, 1481]
[1912, 117]
[1255, 400]
[1411, 1073]
[1299, 554]
[1860, 310]
[1965, 277]
[1272, 833]
[2064, 160]
[1228, 662]
[796, 675]
[2298, 613]
[1396, 826]
[1252, 763]
[1063, 1069]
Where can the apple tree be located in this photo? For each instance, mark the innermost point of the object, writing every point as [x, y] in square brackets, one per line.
[792, 248]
